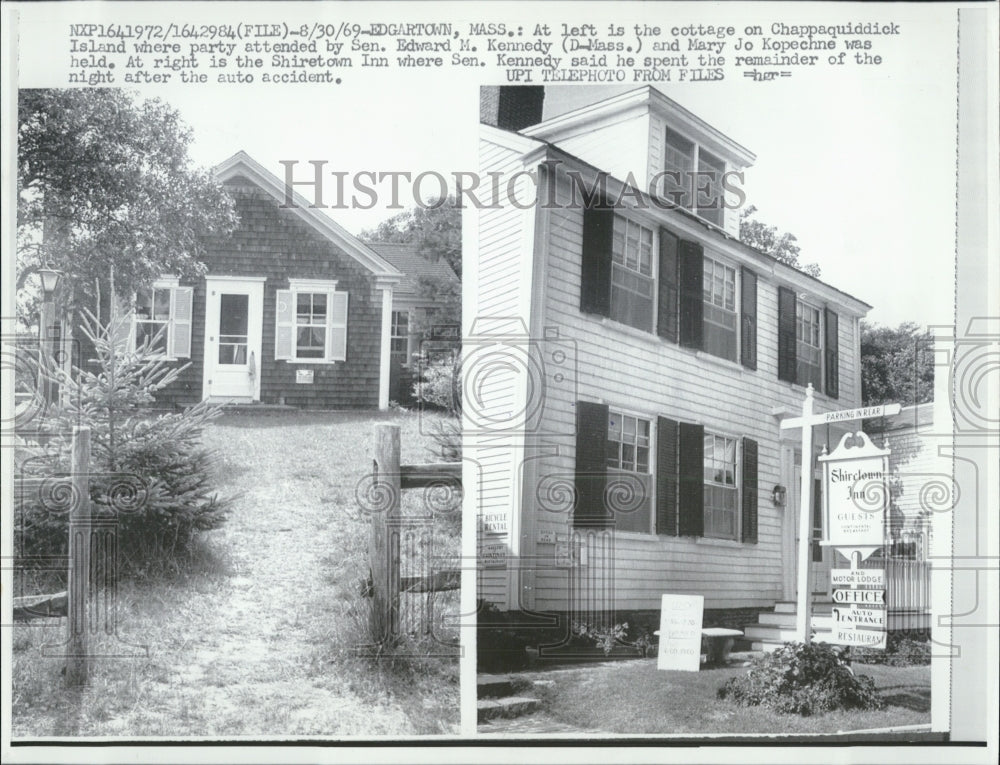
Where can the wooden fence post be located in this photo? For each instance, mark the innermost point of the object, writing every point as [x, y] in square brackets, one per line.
[384, 546]
[77, 610]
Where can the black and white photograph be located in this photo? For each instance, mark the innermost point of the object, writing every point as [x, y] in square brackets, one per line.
[440, 381]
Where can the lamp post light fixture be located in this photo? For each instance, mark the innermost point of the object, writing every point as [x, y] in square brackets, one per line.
[49, 278]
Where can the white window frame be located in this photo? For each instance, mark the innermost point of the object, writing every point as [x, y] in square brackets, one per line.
[314, 286]
[621, 267]
[393, 327]
[706, 161]
[170, 284]
[650, 473]
[709, 301]
[736, 487]
[800, 306]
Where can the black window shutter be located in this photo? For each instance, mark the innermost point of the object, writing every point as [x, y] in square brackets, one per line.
[666, 476]
[591, 464]
[692, 295]
[786, 334]
[749, 533]
[831, 348]
[748, 318]
[666, 318]
[691, 463]
[595, 281]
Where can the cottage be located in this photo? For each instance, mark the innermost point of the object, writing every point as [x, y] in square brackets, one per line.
[630, 361]
[293, 310]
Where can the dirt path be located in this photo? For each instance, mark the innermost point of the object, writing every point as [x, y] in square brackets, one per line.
[255, 639]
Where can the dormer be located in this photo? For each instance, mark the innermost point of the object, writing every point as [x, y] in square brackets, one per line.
[648, 139]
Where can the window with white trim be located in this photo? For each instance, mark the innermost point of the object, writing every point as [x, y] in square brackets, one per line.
[720, 487]
[628, 462]
[808, 348]
[720, 319]
[162, 318]
[311, 322]
[632, 286]
[399, 337]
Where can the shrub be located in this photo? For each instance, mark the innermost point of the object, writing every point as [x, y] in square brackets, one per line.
[900, 650]
[604, 637]
[802, 679]
[500, 646]
[147, 472]
[439, 382]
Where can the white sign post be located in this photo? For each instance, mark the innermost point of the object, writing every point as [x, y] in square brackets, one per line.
[806, 423]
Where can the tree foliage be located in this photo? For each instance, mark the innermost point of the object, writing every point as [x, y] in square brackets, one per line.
[149, 473]
[104, 180]
[437, 231]
[897, 364]
[766, 238]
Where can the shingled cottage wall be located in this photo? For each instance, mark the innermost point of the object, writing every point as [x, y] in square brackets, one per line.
[273, 242]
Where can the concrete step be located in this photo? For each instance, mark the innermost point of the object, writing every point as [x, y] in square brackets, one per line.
[784, 607]
[495, 686]
[777, 619]
[511, 706]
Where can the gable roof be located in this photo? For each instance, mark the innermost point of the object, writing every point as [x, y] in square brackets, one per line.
[243, 165]
[406, 257]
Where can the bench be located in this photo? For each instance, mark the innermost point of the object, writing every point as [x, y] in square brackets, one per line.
[716, 643]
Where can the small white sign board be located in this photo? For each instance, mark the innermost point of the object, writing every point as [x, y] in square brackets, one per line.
[856, 495]
[854, 616]
[680, 632]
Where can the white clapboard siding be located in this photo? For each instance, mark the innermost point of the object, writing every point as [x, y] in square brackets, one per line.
[636, 371]
[499, 293]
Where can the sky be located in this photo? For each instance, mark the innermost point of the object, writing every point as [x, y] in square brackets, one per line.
[860, 167]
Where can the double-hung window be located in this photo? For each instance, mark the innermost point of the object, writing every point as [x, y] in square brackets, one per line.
[629, 493]
[721, 495]
[719, 289]
[808, 351]
[162, 318]
[632, 286]
[808, 343]
[311, 322]
[399, 338]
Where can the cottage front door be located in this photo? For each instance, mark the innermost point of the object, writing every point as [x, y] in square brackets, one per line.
[234, 309]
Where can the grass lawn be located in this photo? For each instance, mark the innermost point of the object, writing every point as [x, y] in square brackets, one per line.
[255, 633]
[634, 697]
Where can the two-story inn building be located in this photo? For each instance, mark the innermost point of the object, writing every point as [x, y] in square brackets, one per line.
[628, 363]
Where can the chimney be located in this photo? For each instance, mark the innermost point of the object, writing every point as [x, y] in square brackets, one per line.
[511, 107]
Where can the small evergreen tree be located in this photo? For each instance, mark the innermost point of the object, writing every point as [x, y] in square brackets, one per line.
[149, 472]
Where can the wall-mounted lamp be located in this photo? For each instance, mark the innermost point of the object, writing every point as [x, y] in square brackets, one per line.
[778, 495]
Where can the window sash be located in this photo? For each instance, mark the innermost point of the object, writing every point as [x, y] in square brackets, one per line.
[719, 317]
[629, 454]
[808, 346]
[632, 285]
[721, 487]
[709, 203]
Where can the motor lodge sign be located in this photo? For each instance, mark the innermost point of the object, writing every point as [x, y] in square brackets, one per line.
[855, 499]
